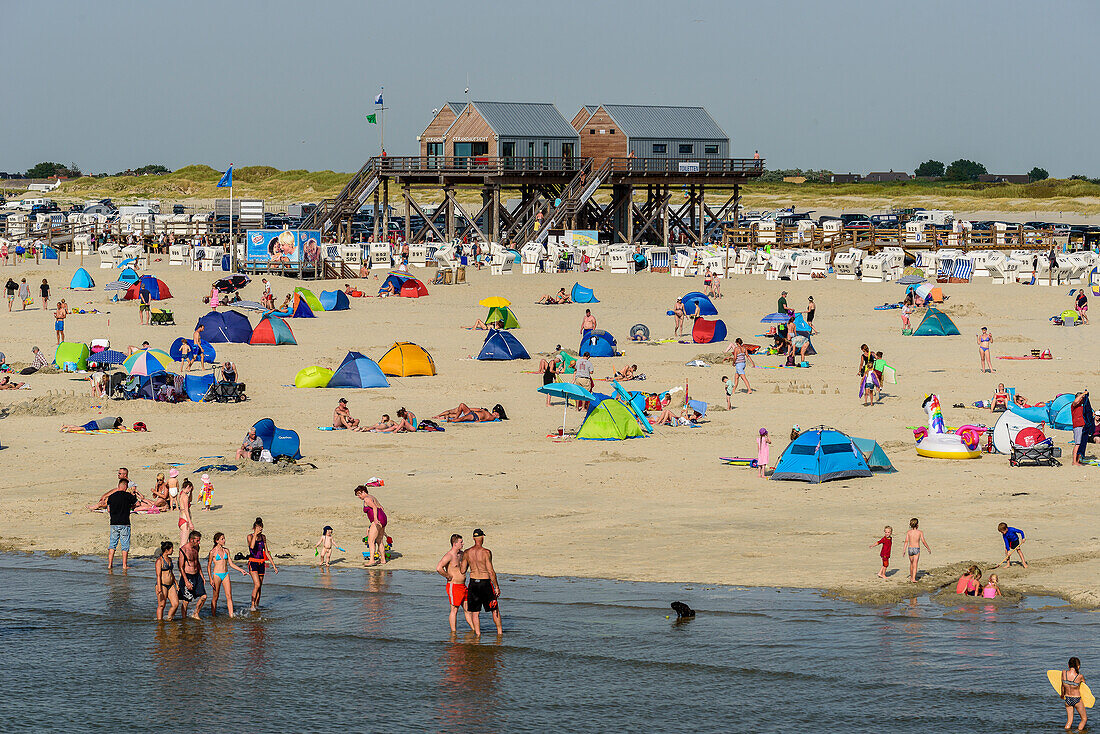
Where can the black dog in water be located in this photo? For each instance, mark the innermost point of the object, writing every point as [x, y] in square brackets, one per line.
[683, 611]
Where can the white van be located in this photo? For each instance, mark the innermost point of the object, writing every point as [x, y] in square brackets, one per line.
[934, 217]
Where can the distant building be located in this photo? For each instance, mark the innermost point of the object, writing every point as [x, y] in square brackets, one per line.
[846, 178]
[885, 176]
[483, 130]
[1016, 178]
[649, 131]
[44, 187]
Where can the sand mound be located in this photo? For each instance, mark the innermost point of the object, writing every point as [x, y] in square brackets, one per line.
[263, 469]
[53, 404]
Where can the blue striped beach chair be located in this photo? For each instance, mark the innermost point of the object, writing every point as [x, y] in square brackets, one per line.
[963, 270]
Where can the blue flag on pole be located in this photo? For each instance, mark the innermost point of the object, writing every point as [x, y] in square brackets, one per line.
[227, 179]
[378, 99]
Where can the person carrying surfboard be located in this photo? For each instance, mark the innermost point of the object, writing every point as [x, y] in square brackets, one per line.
[1073, 691]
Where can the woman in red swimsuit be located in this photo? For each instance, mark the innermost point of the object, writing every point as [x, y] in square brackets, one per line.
[376, 535]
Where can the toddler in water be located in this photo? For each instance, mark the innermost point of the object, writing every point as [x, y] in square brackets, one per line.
[886, 541]
[762, 450]
[206, 494]
[325, 544]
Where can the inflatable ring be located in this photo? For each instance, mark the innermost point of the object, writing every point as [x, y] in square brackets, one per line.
[639, 332]
[970, 437]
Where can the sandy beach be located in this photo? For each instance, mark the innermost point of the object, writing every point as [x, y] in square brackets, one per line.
[660, 508]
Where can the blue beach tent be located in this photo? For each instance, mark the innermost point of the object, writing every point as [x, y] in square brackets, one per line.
[279, 441]
[597, 343]
[49, 253]
[197, 386]
[821, 455]
[301, 309]
[501, 344]
[936, 323]
[129, 275]
[334, 301]
[358, 371]
[81, 280]
[580, 294]
[209, 356]
[220, 327]
[706, 307]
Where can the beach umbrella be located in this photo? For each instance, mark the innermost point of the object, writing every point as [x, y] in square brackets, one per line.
[775, 318]
[117, 285]
[107, 356]
[497, 301]
[232, 283]
[147, 362]
[911, 280]
[569, 391]
[249, 305]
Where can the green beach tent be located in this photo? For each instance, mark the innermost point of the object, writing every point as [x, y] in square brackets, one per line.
[313, 376]
[609, 420]
[311, 300]
[876, 458]
[936, 323]
[75, 352]
[504, 314]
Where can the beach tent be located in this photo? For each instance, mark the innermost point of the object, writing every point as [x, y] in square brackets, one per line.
[609, 420]
[1006, 428]
[209, 356]
[75, 352]
[405, 359]
[358, 371]
[81, 280]
[597, 343]
[220, 327]
[196, 386]
[821, 455]
[580, 294]
[403, 284]
[936, 323]
[926, 291]
[279, 441]
[313, 376]
[876, 458]
[301, 308]
[503, 314]
[272, 330]
[413, 288]
[309, 298]
[500, 344]
[334, 301]
[158, 291]
[128, 275]
[49, 253]
[706, 308]
[704, 331]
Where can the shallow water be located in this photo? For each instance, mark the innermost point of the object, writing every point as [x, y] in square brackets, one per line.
[369, 651]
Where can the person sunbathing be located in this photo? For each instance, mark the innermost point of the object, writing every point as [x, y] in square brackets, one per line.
[1019, 400]
[341, 416]
[549, 300]
[1000, 399]
[7, 384]
[668, 418]
[379, 427]
[99, 424]
[390, 289]
[480, 325]
[626, 373]
[405, 423]
[465, 414]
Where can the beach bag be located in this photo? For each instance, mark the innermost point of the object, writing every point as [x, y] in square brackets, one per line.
[265, 455]
[139, 426]
[255, 454]
[69, 367]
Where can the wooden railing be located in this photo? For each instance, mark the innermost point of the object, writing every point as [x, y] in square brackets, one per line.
[873, 238]
[689, 166]
[478, 164]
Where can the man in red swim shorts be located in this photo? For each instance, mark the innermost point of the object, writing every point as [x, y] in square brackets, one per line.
[450, 568]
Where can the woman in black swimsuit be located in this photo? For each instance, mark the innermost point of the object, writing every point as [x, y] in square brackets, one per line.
[166, 582]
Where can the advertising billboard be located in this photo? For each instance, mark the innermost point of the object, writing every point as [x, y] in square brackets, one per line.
[283, 245]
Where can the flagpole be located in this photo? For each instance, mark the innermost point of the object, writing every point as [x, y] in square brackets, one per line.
[232, 245]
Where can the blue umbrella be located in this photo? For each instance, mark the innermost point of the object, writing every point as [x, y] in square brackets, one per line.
[569, 391]
[775, 318]
[107, 356]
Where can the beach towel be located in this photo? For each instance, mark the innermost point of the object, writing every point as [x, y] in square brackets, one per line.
[101, 430]
[870, 380]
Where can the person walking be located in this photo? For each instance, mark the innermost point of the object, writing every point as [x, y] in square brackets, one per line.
[1084, 425]
[811, 310]
[218, 564]
[450, 568]
[259, 555]
[24, 292]
[913, 541]
[192, 586]
[483, 591]
[740, 356]
[10, 288]
[376, 533]
[1072, 680]
[44, 290]
[120, 503]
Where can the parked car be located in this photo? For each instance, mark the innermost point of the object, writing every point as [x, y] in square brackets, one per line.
[885, 221]
[178, 209]
[855, 221]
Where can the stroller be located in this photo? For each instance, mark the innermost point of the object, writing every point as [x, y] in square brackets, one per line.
[123, 386]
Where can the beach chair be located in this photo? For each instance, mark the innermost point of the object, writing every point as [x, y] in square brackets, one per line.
[873, 268]
[944, 268]
[680, 265]
[1074, 269]
[659, 258]
[962, 270]
[531, 254]
[746, 258]
[1001, 269]
[381, 257]
[760, 263]
[110, 255]
[418, 254]
[779, 266]
[179, 255]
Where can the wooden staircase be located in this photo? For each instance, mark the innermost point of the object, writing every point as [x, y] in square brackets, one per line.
[350, 199]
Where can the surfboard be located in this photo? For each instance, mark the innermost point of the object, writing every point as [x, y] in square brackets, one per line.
[1055, 678]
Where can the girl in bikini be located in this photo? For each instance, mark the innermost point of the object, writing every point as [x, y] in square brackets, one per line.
[184, 505]
[218, 565]
[166, 581]
[258, 557]
[1071, 693]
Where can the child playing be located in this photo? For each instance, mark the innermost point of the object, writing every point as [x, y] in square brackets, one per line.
[762, 449]
[206, 494]
[913, 540]
[1014, 540]
[218, 564]
[991, 590]
[906, 312]
[729, 391]
[886, 541]
[974, 583]
[325, 543]
[964, 580]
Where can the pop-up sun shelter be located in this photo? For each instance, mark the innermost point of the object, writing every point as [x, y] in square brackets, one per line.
[358, 371]
[580, 294]
[128, 276]
[936, 323]
[504, 315]
[81, 280]
[501, 344]
[209, 356]
[403, 284]
[609, 420]
[279, 441]
[301, 308]
[272, 330]
[405, 359]
[309, 298]
[75, 352]
[598, 343]
[220, 327]
[313, 376]
[705, 331]
[158, 291]
[820, 455]
[876, 458]
[706, 307]
[334, 301]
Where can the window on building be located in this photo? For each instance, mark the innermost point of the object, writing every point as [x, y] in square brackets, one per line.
[612, 131]
[710, 150]
[660, 148]
[592, 131]
[687, 149]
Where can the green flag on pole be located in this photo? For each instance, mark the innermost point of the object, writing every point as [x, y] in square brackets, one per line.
[372, 119]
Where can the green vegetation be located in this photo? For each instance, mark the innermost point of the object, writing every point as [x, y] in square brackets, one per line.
[53, 170]
[964, 170]
[1037, 174]
[930, 169]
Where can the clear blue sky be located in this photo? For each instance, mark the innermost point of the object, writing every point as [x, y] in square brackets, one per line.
[843, 85]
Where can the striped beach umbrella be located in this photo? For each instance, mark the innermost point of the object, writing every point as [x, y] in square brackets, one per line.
[147, 362]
